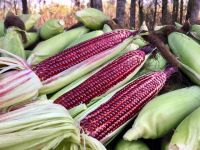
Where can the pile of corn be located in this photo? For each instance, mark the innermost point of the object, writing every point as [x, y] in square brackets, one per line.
[96, 86]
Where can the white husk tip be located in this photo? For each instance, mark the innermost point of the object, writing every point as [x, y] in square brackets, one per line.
[133, 134]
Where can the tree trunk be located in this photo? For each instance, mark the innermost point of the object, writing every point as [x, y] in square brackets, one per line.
[96, 4]
[132, 13]
[164, 12]
[24, 7]
[141, 13]
[120, 11]
[193, 10]
[155, 12]
[175, 11]
[181, 11]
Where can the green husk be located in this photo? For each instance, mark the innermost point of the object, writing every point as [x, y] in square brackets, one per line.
[155, 120]
[80, 69]
[28, 53]
[30, 20]
[86, 37]
[188, 52]
[1, 41]
[195, 31]
[54, 45]
[92, 18]
[12, 42]
[138, 40]
[106, 28]
[187, 135]
[133, 145]
[2, 29]
[51, 28]
[39, 125]
[153, 63]
[32, 37]
[77, 110]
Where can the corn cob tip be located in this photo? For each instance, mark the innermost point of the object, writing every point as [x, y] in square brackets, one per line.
[148, 48]
[132, 136]
[170, 70]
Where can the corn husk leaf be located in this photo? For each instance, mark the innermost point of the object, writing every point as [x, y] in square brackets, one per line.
[40, 125]
[86, 37]
[2, 29]
[30, 20]
[32, 37]
[54, 45]
[106, 28]
[17, 48]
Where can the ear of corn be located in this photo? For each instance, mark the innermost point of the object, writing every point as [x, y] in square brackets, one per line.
[149, 123]
[86, 37]
[195, 31]
[104, 122]
[51, 28]
[39, 125]
[187, 51]
[29, 20]
[92, 18]
[106, 28]
[54, 45]
[12, 42]
[62, 69]
[32, 37]
[110, 77]
[133, 145]
[18, 82]
[186, 135]
[2, 29]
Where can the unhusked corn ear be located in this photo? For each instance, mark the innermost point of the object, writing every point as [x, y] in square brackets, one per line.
[30, 20]
[188, 52]
[51, 28]
[54, 45]
[119, 71]
[72, 63]
[92, 18]
[186, 136]
[103, 121]
[149, 123]
[86, 37]
[106, 28]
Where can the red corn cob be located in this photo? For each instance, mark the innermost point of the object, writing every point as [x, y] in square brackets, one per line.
[74, 55]
[103, 80]
[124, 105]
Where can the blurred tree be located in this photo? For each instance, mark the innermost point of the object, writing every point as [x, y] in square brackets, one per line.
[24, 7]
[120, 11]
[193, 10]
[132, 13]
[155, 11]
[181, 11]
[164, 12]
[175, 11]
[96, 4]
[141, 13]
